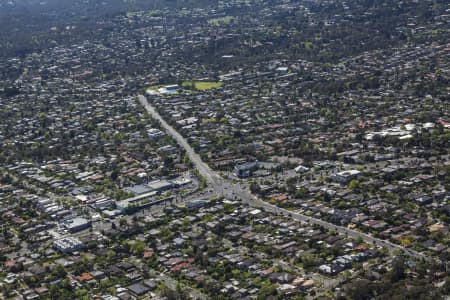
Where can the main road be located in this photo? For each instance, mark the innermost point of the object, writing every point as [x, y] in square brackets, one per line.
[232, 190]
[211, 177]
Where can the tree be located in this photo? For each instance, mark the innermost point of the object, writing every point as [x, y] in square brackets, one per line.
[114, 175]
[354, 184]
[301, 193]
[168, 293]
[358, 290]
[187, 161]
[254, 188]
[123, 222]
[137, 248]
[59, 271]
[267, 291]
[309, 260]
[398, 269]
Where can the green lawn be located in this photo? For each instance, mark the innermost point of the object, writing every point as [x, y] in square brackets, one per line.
[202, 85]
[219, 21]
[308, 45]
[155, 87]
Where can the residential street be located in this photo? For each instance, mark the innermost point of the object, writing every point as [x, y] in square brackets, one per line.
[232, 190]
[224, 150]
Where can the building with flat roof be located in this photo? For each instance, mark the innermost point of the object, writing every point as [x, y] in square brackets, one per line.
[137, 201]
[76, 224]
[245, 170]
[160, 185]
[68, 244]
[138, 189]
[345, 176]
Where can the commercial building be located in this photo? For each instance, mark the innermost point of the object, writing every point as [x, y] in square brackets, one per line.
[68, 244]
[76, 224]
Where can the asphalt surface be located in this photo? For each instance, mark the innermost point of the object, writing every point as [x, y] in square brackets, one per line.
[236, 191]
[211, 177]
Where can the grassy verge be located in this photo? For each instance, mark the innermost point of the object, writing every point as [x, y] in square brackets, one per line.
[202, 85]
